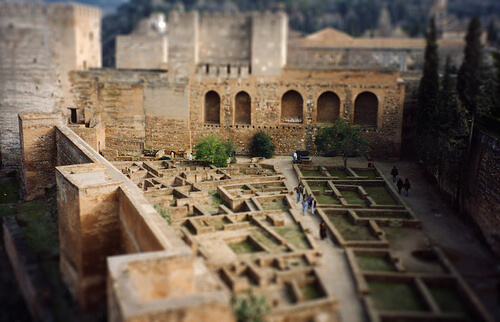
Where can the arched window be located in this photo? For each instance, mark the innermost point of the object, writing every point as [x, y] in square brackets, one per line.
[328, 108]
[291, 107]
[366, 109]
[242, 108]
[212, 108]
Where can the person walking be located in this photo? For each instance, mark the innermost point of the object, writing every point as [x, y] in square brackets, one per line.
[313, 205]
[298, 189]
[304, 205]
[399, 184]
[406, 186]
[309, 199]
[322, 230]
[294, 157]
[394, 173]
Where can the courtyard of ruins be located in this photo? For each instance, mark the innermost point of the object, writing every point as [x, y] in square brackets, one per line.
[245, 223]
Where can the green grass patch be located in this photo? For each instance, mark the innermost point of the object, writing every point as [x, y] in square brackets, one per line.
[372, 263]
[328, 199]
[320, 188]
[267, 240]
[311, 292]
[311, 173]
[370, 174]
[447, 299]
[353, 198]
[275, 204]
[9, 190]
[396, 297]
[349, 231]
[244, 247]
[380, 195]
[294, 234]
[218, 223]
[342, 175]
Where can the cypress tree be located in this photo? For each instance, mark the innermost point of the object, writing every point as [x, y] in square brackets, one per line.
[470, 73]
[427, 97]
[452, 136]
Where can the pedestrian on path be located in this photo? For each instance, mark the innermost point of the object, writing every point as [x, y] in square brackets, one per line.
[313, 205]
[322, 230]
[394, 173]
[304, 205]
[309, 199]
[299, 189]
[294, 157]
[406, 186]
[399, 185]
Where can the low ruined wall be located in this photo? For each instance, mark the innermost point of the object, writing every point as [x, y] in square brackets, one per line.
[482, 189]
[32, 284]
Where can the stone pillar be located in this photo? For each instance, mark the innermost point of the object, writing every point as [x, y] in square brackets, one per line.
[38, 153]
[89, 232]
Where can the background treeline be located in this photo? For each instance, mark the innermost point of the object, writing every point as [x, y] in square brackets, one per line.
[356, 17]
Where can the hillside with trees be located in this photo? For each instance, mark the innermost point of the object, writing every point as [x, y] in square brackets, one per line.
[356, 17]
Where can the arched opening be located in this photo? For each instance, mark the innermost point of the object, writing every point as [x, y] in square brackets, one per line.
[291, 107]
[366, 109]
[243, 105]
[328, 108]
[212, 108]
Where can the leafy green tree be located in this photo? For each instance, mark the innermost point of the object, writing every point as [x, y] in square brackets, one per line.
[214, 150]
[250, 308]
[427, 97]
[262, 145]
[342, 138]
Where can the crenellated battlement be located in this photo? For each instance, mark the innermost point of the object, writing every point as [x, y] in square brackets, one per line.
[223, 70]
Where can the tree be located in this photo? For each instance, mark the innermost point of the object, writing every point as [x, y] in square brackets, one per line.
[250, 308]
[262, 145]
[452, 136]
[427, 96]
[342, 138]
[469, 74]
[214, 150]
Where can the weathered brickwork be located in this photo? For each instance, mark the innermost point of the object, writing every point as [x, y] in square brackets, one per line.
[39, 45]
[38, 157]
[482, 194]
[290, 134]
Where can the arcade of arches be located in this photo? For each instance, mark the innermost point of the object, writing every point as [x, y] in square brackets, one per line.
[328, 108]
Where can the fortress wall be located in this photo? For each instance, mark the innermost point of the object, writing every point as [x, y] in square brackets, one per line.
[224, 38]
[141, 51]
[269, 43]
[266, 111]
[482, 188]
[34, 72]
[183, 42]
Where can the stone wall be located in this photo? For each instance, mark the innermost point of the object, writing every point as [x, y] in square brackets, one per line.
[298, 134]
[89, 228]
[39, 153]
[39, 45]
[224, 38]
[482, 189]
[141, 51]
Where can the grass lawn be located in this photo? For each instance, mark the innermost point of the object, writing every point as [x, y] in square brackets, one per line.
[349, 231]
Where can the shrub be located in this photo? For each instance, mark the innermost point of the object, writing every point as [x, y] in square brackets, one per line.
[214, 150]
[262, 145]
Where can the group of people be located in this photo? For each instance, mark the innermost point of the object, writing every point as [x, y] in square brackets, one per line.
[400, 184]
[308, 201]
